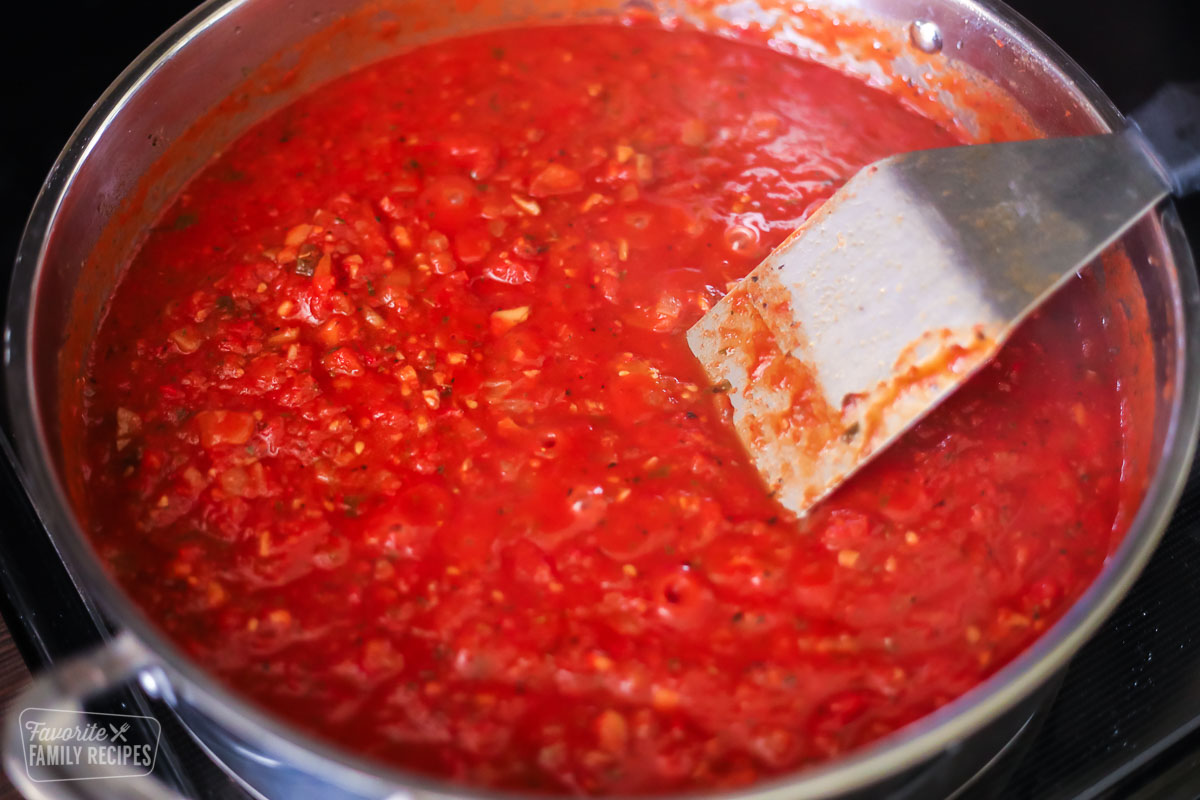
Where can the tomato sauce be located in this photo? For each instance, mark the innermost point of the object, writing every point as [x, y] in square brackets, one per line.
[393, 427]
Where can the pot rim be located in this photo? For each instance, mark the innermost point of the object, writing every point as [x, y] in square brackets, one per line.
[887, 757]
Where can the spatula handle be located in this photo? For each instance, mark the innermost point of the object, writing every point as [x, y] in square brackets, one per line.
[1170, 123]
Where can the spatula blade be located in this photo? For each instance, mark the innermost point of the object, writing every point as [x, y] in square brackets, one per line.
[900, 287]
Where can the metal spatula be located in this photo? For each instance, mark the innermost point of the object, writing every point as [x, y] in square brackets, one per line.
[911, 277]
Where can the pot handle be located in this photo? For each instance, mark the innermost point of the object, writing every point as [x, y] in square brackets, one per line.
[55, 702]
[1170, 126]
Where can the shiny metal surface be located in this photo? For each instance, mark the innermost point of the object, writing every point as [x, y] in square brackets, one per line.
[925, 35]
[59, 286]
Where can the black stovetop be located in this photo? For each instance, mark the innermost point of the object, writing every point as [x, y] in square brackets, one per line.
[1125, 722]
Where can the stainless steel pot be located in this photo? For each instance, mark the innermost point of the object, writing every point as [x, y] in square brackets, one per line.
[98, 198]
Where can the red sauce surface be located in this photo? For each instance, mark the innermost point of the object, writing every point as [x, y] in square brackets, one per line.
[392, 426]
